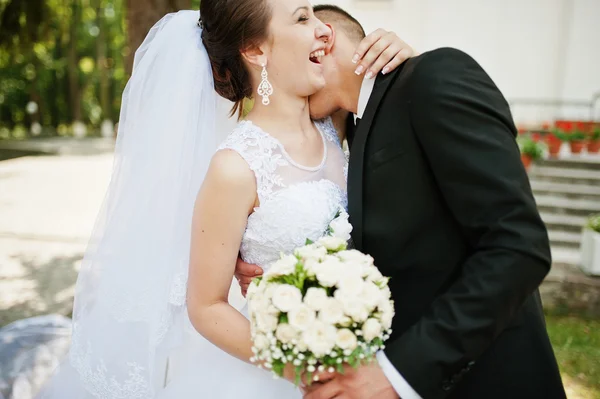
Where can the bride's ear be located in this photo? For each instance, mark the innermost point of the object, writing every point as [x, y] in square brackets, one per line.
[255, 56]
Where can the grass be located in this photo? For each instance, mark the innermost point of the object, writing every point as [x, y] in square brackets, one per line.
[576, 342]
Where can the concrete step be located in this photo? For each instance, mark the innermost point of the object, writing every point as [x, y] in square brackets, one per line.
[567, 206]
[570, 161]
[566, 256]
[570, 223]
[564, 175]
[566, 190]
[564, 239]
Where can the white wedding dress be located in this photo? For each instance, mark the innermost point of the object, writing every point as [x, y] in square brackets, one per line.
[296, 202]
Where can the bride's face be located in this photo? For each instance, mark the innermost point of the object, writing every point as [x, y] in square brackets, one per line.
[294, 48]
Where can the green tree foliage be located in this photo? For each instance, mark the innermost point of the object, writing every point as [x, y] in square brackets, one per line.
[65, 61]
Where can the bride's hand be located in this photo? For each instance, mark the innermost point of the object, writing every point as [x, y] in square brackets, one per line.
[381, 51]
[289, 373]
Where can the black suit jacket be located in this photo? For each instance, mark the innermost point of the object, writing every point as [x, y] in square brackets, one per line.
[439, 197]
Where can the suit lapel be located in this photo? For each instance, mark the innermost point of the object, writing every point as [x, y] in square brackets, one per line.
[357, 153]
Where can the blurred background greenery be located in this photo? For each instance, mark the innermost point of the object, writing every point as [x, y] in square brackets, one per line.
[64, 63]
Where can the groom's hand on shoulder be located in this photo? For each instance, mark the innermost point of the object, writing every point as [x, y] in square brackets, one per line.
[366, 382]
[244, 273]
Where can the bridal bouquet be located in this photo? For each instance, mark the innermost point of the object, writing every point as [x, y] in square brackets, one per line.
[320, 308]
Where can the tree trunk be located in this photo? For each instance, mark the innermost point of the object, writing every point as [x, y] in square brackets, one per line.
[101, 62]
[73, 65]
[142, 15]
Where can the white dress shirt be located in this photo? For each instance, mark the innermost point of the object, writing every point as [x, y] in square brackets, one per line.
[401, 386]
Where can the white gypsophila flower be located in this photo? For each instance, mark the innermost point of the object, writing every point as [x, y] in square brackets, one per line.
[332, 312]
[283, 267]
[371, 329]
[353, 306]
[351, 284]
[371, 295]
[302, 318]
[341, 227]
[311, 251]
[287, 297]
[285, 333]
[315, 298]
[329, 271]
[320, 338]
[265, 322]
[345, 339]
[261, 342]
[333, 243]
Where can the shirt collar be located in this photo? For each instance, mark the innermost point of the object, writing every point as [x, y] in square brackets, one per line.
[366, 89]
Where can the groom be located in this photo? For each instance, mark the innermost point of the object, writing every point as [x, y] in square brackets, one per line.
[438, 196]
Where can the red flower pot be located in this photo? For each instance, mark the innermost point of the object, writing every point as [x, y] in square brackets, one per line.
[593, 146]
[553, 144]
[526, 160]
[577, 146]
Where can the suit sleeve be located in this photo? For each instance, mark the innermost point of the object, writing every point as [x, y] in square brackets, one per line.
[465, 128]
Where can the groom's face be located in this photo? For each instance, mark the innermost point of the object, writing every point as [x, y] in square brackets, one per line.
[337, 67]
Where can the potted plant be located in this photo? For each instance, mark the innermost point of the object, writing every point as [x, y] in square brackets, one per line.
[577, 141]
[590, 246]
[530, 150]
[554, 141]
[593, 145]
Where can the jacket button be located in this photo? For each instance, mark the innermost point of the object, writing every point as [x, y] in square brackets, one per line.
[446, 386]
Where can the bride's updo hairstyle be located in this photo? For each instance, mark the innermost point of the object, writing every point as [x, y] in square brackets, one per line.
[228, 28]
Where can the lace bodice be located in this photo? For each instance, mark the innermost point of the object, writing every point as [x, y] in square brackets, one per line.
[296, 202]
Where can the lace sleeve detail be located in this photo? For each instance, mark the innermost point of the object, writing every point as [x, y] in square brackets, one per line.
[329, 131]
[262, 154]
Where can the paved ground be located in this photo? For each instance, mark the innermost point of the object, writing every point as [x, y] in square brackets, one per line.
[47, 209]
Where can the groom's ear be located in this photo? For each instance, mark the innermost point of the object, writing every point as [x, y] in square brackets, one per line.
[255, 56]
[331, 41]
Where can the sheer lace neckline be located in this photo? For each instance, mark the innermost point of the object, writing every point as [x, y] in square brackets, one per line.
[285, 153]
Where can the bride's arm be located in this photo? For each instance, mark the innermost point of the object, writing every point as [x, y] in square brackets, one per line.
[224, 202]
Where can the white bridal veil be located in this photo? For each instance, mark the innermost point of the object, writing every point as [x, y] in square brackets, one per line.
[130, 294]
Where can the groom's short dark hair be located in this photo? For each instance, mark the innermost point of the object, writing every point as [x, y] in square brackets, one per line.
[334, 15]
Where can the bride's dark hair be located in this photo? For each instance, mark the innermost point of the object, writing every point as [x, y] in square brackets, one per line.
[230, 27]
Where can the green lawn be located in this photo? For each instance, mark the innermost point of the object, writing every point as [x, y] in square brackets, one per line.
[576, 342]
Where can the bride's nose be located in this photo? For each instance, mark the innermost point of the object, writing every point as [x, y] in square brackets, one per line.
[323, 32]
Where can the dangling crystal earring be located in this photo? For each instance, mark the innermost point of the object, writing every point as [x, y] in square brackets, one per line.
[265, 89]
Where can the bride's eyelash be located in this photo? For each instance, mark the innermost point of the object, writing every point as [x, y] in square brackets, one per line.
[303, 18]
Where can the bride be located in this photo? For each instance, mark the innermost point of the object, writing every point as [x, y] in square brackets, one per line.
[158, 270]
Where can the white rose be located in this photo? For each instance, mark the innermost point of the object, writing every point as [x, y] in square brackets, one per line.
[266, 322]
[374, 274]
[302, 317]
[333, 243]
[332, 312]
[258, 304]
[311, 265]
[320, 338]
[386, 292]
[340, 227]
[371, 295]
[287, 297]
[284, 266]
[345, 339]
[386, 319]
[285, 333]
[315, 298]
[261, 342]
[329, 272]
[311, 251]
[371, 329]
[351, 285]
[353, 306]
[345, 321]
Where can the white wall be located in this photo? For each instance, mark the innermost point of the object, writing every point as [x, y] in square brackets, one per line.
[535, 49]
